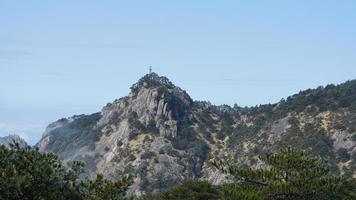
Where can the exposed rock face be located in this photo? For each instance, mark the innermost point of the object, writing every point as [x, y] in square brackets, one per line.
[160, 135]
[11, 139]
[342, 139]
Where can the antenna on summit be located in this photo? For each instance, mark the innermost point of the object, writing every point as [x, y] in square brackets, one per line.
[150, 69]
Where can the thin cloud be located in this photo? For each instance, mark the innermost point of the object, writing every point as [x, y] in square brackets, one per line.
[241, 80]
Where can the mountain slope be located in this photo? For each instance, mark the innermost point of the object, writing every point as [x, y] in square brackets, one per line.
[163, 137]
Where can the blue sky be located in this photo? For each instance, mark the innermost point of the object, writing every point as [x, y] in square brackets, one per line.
[60, 58]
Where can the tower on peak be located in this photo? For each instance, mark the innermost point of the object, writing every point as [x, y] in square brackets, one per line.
[150, 70]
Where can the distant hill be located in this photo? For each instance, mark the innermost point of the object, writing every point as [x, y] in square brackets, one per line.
[11, 139]
[161, 135]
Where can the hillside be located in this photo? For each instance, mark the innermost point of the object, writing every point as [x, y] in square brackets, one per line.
[162, 136]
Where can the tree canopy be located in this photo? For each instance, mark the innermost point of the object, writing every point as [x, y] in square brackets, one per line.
[25, 173]
[291, 174]
[188, 190]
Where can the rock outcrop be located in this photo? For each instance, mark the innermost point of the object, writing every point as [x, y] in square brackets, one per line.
[12, 139]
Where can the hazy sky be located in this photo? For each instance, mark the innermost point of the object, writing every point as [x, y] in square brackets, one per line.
[60, 58]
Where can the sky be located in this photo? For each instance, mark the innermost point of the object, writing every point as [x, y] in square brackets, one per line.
[61, 58]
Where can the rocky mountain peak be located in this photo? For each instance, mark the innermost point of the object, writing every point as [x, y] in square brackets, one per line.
[162, 85]
[11, 139]
[155, 102]
[153, 80]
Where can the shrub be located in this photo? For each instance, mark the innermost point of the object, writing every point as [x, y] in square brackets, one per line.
[147, 155]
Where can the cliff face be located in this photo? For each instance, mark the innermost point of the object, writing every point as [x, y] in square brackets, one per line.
[136, 134]
[160, 135]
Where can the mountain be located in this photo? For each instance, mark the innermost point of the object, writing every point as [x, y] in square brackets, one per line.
[11, 139]
[162, 136]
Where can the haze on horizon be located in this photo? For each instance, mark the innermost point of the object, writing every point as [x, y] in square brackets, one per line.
[62, 58]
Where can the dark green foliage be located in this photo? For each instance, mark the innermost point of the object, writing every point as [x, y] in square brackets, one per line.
[340, 126]
[312, 137]
[207, 134]
[225, 130]
[200, 149]
[150, 81]
[147, 155]
[189, 190]
[132, 116]
[354, 137]
[329, 98]
[206, 120]
[147, 139]
[348, 191]
[62, 120]
[145, 183]
[177, 106]
[343, 155]
[173, 153]
[151, 127]
[89, 161]
[85, 121]
[247, 132]
[347, 122]
[187, 139]
[103, 189]
[119, 143]
[266, 108]
[115, 118]
[135, 122]
[108, 132]
[184, 138]
[243, 132]
[353, 156]
[142, 169]
[227, 122]
[132, 157]
[162, 181]
[27, 174]
[133, 135]
[260, 121]
[197, 149]
[292, 174]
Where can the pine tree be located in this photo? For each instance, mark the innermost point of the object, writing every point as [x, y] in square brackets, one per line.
[25, 173]
[291, 174]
